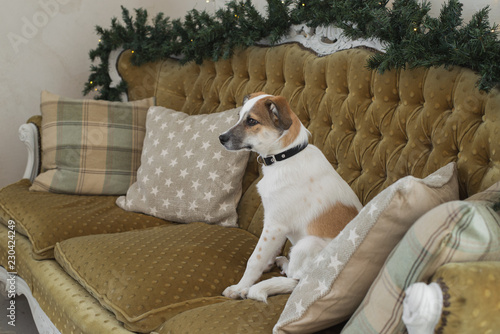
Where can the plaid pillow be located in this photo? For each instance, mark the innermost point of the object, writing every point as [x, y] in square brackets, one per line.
[90, 147]
[458, 231]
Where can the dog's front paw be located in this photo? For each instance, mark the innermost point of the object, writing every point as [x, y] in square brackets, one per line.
[235, 292]
[258, 294]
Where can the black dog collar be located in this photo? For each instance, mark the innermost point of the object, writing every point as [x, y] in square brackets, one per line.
[268, 161]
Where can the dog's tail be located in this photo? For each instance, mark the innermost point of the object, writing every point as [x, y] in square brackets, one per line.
[272, 286]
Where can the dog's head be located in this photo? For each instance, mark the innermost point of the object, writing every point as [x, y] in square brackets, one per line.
[266, 124]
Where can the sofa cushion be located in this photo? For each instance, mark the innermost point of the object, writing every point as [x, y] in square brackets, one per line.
[146, 277]
[47, 218]
[90, 147]
[458, 231]
[345, 269]
[186, 175]
[233, 316]
[228, 317]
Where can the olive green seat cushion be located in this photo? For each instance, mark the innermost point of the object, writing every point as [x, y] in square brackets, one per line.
[47, 218]
[229, 317]
[146, 277]
[233, 316]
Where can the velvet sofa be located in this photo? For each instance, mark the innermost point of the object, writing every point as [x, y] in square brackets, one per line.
[419, 147]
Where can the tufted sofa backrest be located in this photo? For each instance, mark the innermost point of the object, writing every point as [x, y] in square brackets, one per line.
[374, 128]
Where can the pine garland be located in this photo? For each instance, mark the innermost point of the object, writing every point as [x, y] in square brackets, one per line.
[412, 38]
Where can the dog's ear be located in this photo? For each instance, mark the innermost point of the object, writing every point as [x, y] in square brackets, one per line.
[251, 96]
[279, 111]
[246, 98]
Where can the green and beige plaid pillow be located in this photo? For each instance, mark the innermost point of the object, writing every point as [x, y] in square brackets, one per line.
[90, 147]
[186, 175]
[458, 231]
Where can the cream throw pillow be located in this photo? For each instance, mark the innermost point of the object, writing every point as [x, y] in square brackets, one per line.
[186, 175]
[345, 270]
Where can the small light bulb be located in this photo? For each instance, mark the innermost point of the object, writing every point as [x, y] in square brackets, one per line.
[91, 82]
[133, 51]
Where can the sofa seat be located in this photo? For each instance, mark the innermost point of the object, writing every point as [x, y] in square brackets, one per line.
[47, 218]
[56, 292]
[148, 276]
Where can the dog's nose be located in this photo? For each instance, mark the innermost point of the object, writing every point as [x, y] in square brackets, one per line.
[224, 138]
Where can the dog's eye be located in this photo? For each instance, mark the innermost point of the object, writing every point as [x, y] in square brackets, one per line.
[251, 121]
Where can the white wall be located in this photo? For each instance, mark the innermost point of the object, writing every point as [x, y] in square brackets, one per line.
[45, 45]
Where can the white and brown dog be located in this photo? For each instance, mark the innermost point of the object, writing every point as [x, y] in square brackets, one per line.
[304, 198]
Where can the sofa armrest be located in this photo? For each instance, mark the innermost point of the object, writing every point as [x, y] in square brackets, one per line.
[28, 134]
[462, 298]
[471, 298]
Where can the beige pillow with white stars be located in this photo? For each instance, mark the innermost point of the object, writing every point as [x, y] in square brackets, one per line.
[186, 175]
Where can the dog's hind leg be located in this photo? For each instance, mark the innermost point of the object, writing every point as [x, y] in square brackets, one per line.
[303, 253]
[282, 263]
[272, 286]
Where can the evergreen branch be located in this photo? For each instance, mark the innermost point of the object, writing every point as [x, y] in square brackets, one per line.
[412, 37]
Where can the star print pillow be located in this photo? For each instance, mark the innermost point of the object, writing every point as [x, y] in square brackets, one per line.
[343, 272]
[186, 175]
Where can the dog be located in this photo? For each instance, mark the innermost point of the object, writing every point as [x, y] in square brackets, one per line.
[304, 198]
